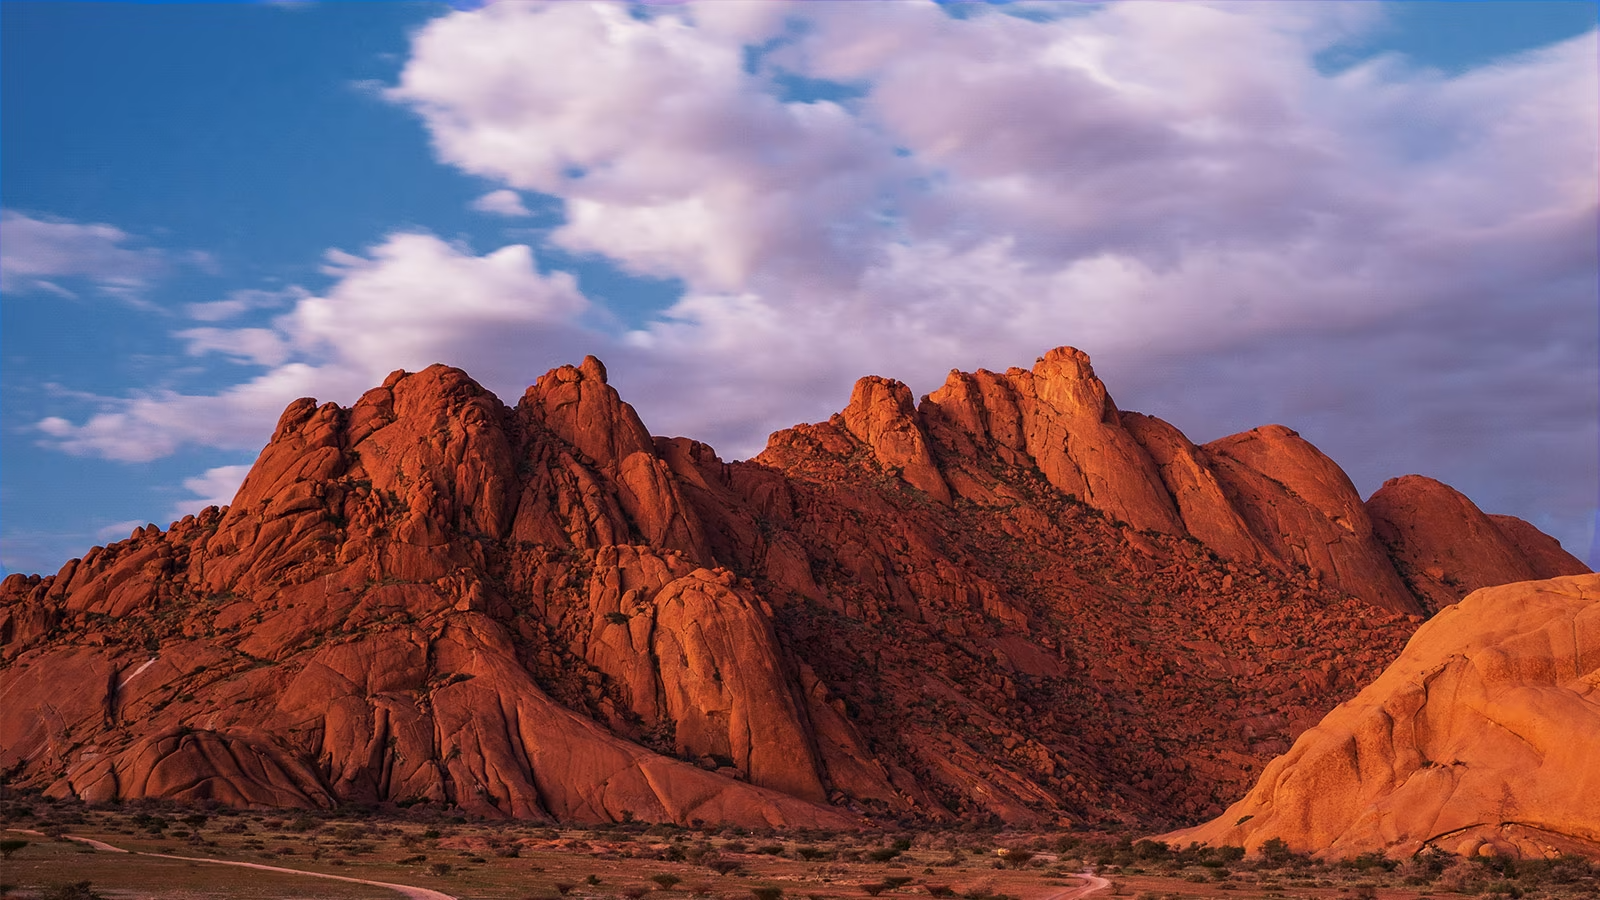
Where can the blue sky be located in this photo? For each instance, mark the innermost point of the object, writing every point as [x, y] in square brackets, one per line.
[1372, 222]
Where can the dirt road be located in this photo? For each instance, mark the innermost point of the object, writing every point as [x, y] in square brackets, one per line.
[410, 892]
[1093, 883]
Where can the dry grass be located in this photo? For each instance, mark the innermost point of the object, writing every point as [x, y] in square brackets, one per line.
[522, 861]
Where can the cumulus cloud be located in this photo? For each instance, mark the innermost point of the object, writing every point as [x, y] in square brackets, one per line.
[36, 254]
[215, 487]
[672, 158]
[503, 202]
[411, 301]
[1386, 255]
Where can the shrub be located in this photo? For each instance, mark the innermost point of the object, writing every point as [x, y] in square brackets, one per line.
[1016, 858]
[564, 887]
[440, 869]
[77, 890]
[10, 846]
[766, 892]
[666, 880]
[635, 891]
[1151, 850]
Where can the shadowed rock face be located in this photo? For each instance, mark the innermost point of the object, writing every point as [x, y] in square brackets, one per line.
[1479, 739]
[1011, 601]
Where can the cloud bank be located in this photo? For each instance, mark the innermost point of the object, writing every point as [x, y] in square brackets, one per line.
[1398, 263]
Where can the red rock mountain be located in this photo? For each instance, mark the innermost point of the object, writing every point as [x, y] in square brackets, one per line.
[1011, 600]
[1479, 740]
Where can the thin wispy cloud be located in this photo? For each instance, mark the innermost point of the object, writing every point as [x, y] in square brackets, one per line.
[38, 254]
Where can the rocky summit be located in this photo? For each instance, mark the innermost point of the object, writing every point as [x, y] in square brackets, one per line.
[1009, 601]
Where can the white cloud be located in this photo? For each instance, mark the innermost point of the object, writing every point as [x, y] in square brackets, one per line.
[36, 253]
[215, 487]
[118, 531]
[1173, 187]
[239, 302]
[411, 301]
[501, 203]
[260, 346]
[673, 159]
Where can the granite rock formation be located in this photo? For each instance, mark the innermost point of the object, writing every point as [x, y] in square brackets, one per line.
[1010, 601]
[1479, 740]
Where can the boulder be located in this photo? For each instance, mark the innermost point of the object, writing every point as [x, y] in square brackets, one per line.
[1479, 739]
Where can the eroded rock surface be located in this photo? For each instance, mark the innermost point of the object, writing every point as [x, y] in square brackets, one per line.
[1479, 739]
[1012, 600]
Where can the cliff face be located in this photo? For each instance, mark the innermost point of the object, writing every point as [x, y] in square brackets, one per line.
[1479, 739]
[1012, 600]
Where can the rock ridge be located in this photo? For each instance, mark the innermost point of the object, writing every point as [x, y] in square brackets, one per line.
[1009, 601]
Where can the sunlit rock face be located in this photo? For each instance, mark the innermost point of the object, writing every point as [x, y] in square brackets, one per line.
[1009, 601]
[1479, 740]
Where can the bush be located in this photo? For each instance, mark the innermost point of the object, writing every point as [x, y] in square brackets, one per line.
[666, 880]
[1463, 877]
[78, 890]
[440, 869]
[1015, 858]
[766, 892]
[1151, 850]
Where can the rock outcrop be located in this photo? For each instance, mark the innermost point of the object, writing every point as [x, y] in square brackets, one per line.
[1479, 740]
[1011, 601]
[1435, 533]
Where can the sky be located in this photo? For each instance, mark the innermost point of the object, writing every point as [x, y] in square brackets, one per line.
[1375, 223]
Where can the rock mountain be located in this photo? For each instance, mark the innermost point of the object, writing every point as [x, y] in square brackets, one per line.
[1009, 601]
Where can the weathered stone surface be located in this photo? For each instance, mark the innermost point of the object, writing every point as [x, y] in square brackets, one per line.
[990, 605]
[1481, 735]
[1542, 552]
[881, 416]
[1201, 501]
[1061, 417]
[1442, 544]
[1302, 506]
